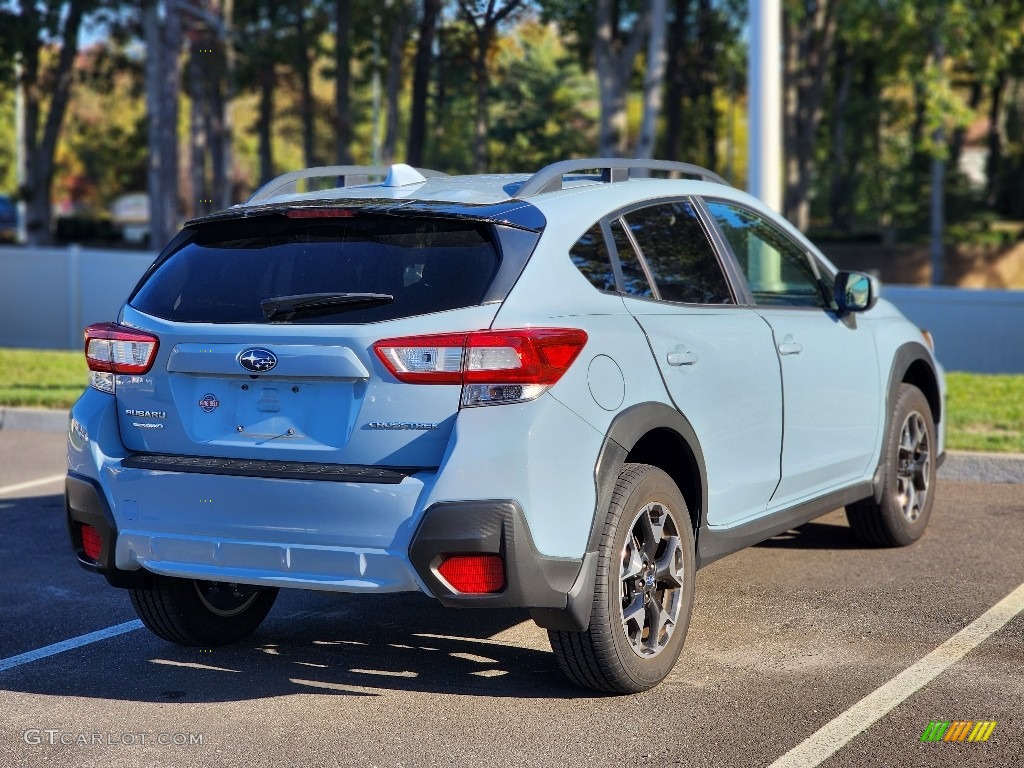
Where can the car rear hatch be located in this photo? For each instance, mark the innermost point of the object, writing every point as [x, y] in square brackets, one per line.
[266, 329]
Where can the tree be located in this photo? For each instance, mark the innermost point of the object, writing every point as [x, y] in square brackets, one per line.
[809, 28]
[343, 81]
[484, 16]
[544, 107]
[28, 33]
[615, 51]
[263, 25]
[705, 51]
[421, 80]
[163, 85]
[396, 58]
[654, 78]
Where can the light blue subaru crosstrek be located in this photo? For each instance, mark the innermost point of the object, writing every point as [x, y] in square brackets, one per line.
[564, 391]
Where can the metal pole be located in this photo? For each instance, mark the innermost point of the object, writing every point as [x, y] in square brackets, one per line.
[20, 145]
[765, 89]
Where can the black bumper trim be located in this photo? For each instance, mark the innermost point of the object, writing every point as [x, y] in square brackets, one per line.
[278, 470]
[85, 504]
[559, 591]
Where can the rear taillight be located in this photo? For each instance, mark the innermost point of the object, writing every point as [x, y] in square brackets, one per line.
[114, 349]
[474, 574]
[492, 366]
[91, 542]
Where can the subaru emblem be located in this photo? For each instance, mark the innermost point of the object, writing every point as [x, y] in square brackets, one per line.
[257, 360]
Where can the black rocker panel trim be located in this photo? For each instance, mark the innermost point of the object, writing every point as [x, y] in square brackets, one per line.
[714, 544]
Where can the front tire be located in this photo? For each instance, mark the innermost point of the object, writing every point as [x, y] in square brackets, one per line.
[201, 613]
[643, 593]
[908, 480]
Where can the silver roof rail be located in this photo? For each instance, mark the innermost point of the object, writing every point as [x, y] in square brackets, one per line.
[345, 175]
[613, 169]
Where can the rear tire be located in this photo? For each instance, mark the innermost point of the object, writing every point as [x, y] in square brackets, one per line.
[201, 613]
[908, 477]
[643, 593]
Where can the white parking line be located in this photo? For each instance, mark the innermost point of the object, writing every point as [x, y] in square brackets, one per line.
[67, 645]
[31, 483]
[830, 738]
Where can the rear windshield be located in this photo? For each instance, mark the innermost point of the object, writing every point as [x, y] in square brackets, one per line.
[224, 273]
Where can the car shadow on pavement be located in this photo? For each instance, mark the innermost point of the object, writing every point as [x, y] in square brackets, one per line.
[815, 536]
[318, 643]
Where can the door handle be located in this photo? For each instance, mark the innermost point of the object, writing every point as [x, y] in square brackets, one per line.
[681, 356]
[789, 347]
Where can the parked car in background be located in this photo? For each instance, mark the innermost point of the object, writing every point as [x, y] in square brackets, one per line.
[130, 215]
[564, 392]
[8, 218]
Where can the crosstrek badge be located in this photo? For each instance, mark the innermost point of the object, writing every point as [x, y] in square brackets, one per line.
[209, 403]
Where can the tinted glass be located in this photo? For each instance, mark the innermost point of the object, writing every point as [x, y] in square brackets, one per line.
[778, 269]
[634, 281]
[591, 257]
[227, 270]
[678, 253]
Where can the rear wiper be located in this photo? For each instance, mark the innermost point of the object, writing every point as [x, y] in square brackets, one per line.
[317, 304]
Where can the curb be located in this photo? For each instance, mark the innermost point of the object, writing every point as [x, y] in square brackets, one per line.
[34, 419]
[974, 467]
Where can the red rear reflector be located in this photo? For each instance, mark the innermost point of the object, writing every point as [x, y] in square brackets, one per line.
[111, 348]
[91, 542]
[474, 574]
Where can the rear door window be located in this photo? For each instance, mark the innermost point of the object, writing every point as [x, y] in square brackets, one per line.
[227, 271]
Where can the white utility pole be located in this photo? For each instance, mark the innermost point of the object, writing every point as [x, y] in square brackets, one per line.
[20, 148]
[764, 174]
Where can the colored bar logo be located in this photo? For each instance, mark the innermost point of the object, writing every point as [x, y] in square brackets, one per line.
[958, 730]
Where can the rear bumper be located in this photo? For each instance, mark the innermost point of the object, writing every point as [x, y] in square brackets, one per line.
[151, 538]
[558, 591]
[334, 533]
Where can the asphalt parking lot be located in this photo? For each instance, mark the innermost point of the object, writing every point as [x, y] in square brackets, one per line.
[804, 632]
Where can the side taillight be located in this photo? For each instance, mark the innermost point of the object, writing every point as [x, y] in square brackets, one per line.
[112, 349]
[492, 366]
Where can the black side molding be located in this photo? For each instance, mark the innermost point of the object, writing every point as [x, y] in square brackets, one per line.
[713, 545]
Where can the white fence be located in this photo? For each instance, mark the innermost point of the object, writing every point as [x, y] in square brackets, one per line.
[48, 295]
[980, 331]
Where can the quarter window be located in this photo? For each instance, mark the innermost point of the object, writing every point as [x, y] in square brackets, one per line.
[634, 279]
[591, 257]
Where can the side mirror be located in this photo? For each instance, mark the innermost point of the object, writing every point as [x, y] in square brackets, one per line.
[855, 292]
